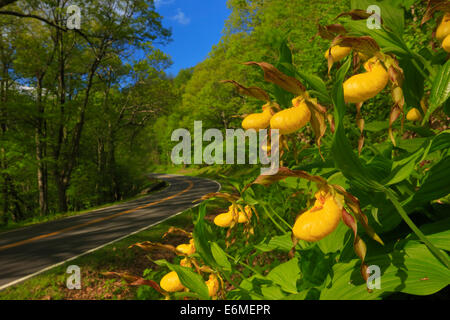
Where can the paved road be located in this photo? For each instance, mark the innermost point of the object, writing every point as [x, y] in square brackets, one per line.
[28, 251]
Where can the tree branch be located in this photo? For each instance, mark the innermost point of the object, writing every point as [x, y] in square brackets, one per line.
[50, 23]
[33, 16]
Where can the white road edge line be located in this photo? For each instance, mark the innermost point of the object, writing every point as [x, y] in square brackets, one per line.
[103, 245]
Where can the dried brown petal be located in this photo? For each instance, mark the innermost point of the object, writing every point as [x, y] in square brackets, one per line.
[254, 92]
[365, 44]
[272, 74]
[284, 173]
[433, 6]
[330, 31]
[356, 14]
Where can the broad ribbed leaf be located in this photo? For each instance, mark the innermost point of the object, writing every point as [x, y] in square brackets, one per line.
[392, 15]
[201, 238]
[434, 187]
[388, 41]
[440, 90]
[335, 241]
[188, 278]
[412, 270]
[286, 275]
[438, 233]
[317, 84]
[343, 154]
[220, 256]
[283, 243]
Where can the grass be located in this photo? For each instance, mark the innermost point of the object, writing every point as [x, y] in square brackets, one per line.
[114, 257]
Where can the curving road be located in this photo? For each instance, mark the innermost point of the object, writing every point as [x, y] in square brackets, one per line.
[28, 251]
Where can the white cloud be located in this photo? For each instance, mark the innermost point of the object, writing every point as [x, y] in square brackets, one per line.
[160, 3]
[181, 17]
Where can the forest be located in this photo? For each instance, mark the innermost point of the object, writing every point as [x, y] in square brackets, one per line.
[83, 121]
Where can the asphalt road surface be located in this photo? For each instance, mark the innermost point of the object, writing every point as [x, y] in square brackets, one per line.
[28, 251]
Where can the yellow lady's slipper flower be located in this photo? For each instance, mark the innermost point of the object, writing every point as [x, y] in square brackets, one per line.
[259, 121]
[338, 53]
[293, 119]
[414, 115]
[319, 221]
[444, 28]
[171, 283]
[187, 249]
[213, 285]
[364, 86]
[244, 217]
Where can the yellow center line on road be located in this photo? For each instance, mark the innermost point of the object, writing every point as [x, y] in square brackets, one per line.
[19, 243]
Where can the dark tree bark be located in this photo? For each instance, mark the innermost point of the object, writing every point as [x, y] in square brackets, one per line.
[41, 150]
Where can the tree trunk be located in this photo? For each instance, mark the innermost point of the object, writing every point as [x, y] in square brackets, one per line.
[62, 186]
[41, 147]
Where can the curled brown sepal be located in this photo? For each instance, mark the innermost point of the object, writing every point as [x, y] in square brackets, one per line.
[272, 74]
[356, 14]
[318, 121]
[396, 110]
[150, 246]
[433, 6]
[330, 31]
[230, 197]
[128, 277]
[353, 203]
[295, 241]
[365, 44]
[254, 92]
[174, 230]
[358, 244]
[396, 74]
[133, 280]
[330, 119]
[284, 173]
[150, 283]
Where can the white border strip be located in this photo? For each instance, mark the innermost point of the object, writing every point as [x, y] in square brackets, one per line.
[106, 244]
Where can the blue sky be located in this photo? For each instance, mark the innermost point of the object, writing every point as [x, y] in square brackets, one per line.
[196, 26]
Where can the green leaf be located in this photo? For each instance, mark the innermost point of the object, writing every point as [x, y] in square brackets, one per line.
[188, 278]
[335, 241]
[376, 126]
[272, 293]
[343, 153]
[402, 169]
[411, 145]
[286, 275]
[220, 256]
[257, 285]
[314, 266]
[284, 64]
[413, 87]
[412, 270]
[283, 243]
[298, 296]
[438, 233]
[433, 187]
[317, 84]
[440, 90]
[201, 237]
[391, 13]
[443, 258]
[388, 41]
[403, 172]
